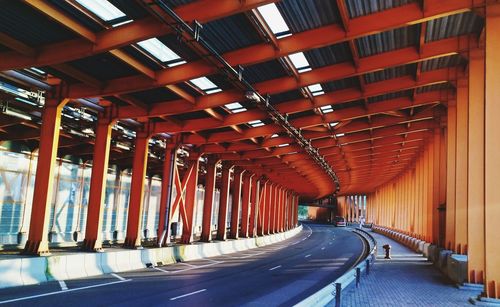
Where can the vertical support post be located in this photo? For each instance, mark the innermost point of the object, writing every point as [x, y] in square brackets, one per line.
[461, 167]
[163, 235]
[210, 177]
[269, 206]
[235, 211]
[224, 198]
[93, 240]
[451, 131]
[190, 203]
[37, 243]
[475, 216]
[261, 220]
[133, 238]
[492, 148]
[245, 205]
[254, 207]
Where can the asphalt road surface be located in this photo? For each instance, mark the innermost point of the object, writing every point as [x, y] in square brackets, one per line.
[281, 274]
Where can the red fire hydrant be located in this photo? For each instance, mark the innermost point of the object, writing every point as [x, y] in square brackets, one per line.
[387, 248]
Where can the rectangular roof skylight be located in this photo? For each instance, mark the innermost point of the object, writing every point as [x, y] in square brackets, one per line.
[235, 107]
[102, 8]
[334, 124]
[159, 50]
[299, 61]
[273, 18]
[326, 109]
[204, 84]
[256, 123]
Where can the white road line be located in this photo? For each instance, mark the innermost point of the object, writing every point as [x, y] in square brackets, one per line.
[63, 285]
[276, 267]
[193, 266]
[161, 270]
[188, 294]
[322, 248]
[118, 276]
[214, 261]
[62, 292]
[307, 256]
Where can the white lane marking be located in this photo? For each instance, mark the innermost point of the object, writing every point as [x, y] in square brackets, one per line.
[187, 294]
[214, 261]
[307, 256]
[322, 248]
[276, 267]
[118, 276]
[161, 270]
[63, 285]
[193, 266]
[62, 292]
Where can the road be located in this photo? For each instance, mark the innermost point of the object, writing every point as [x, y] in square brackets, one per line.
[281, 274]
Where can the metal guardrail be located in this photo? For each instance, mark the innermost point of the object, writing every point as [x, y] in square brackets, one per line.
[331, 295]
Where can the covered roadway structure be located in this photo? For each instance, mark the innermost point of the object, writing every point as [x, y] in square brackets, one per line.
[122, 120]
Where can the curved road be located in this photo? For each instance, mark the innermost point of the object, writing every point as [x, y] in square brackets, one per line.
[280, 274]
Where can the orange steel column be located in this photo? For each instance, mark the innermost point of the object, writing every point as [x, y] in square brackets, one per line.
[235, 211]
[475, 193]
[139, 167]
[223, 203]
[269, 209]
[245, 205]
[451, 139]
[37, 243]
[210, 177]
[263, 187]
[279, 216]
[254, 207]
[492, 148]
[435, 186]
[93, 240]
[461, 167]
[163, 234]
[274, 208]
[191, 199]
[442, 188]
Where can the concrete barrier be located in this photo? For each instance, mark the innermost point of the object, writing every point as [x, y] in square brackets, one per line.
[33, 270]
[456, 268]
[11, 273]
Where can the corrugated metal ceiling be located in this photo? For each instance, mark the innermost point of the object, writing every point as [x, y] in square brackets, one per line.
[387, 41]
[302, 15]
[358, 8]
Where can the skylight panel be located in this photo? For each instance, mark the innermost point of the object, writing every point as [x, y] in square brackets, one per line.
[274, 136]
[334, 124]
[274, 20]
[103, 9]
[299, 60]
[235, 107]
[159, 50]
[203, 83]
[283, 145]
[256, 123]
[339, 135]
[315, 87]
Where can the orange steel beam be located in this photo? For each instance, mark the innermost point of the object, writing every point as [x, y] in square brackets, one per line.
[224, 199]
[351, 94]
[121, 36]
[316, 38]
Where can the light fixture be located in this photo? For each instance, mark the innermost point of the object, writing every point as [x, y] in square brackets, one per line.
[15, 113]
[251, 95]
[122, 146]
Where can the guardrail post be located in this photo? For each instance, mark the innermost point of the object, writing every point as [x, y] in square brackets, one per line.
[367, 266]
[338, 293]
[358, 276]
